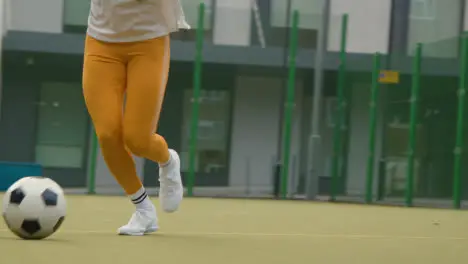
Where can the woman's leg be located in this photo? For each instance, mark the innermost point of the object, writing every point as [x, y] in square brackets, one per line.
[147, 74]
[148, 70]
[104, 81]
[104, 84]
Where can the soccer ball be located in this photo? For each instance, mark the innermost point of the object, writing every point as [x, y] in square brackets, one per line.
[34, 207]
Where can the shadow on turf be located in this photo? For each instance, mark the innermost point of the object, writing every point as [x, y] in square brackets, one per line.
[46, 240]
[195, 237]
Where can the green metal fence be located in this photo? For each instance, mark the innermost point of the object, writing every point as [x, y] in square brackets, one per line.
[415, 137]
[412, 129]
[396, 134]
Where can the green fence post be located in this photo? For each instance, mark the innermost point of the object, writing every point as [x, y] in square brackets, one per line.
[92, 164]
[457, 191]
[197, 77]
[340, 115]
[414, 101]
[372, 126]
[288, 111]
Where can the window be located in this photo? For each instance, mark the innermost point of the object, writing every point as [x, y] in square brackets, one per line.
[423, 9]
[191, 8]
[191, 12]
[213, 131]
[310, 13]
[436, 24]
[75, 15]
[310, 19]
[62, 126]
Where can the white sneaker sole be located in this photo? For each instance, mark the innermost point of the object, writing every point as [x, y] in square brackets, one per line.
[148, 231]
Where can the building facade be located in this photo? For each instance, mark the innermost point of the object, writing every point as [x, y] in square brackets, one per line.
[43, 118]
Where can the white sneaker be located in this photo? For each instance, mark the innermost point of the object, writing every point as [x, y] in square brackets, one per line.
[171, 190]
[142, 222]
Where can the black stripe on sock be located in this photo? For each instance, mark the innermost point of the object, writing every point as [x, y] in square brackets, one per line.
[139, 198]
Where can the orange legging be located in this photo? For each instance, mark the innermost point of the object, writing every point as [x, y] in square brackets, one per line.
[139, 70]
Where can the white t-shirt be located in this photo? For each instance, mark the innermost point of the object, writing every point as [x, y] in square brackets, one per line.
[134, 20]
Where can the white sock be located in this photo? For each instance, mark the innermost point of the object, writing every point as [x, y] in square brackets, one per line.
[162, 165]
[141, 200]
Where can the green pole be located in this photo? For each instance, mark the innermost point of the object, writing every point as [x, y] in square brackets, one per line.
[414, 101]
[197, 77]
[340, 115]
[92, 164]
[345, 140]
[460, 129]
[372, 127]
[288, 111]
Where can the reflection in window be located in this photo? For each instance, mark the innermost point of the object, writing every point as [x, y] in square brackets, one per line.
[191, 12]
[310, 12]
[75, 15]
[213, 126]
[191, 15]
[76, 12]
[62, 126]
[310, 17]
[423, 9]
[436, 23]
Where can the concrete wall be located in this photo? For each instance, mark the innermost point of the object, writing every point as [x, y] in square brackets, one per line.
[368, 25]
[359, 140]
[38, 16]
[255, 134]
[232, 22]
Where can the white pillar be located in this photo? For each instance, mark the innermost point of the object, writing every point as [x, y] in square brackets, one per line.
[232, 24]
[368, 26]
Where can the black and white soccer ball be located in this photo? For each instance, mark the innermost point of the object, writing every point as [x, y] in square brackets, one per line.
[34, 207]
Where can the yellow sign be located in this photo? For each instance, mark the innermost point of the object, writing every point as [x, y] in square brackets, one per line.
[389, 77]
